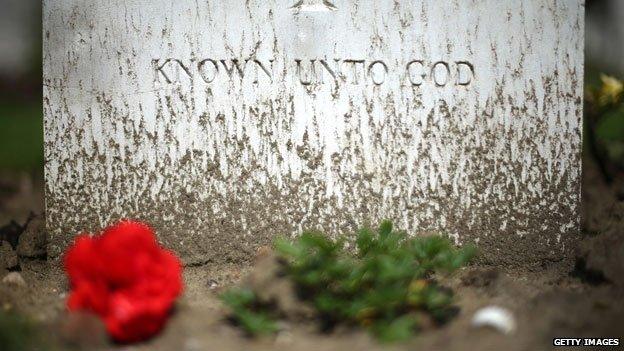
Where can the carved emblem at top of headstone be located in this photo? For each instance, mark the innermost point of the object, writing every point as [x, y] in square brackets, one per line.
[314, 6]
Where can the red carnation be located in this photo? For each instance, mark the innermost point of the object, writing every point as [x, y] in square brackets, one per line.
[124, 277]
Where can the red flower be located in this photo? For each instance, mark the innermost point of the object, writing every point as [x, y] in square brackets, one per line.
[124, 277]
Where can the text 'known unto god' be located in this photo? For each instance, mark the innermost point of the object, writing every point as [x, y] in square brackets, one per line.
[308, 72]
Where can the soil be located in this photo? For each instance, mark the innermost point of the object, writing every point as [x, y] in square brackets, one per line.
[560, 299]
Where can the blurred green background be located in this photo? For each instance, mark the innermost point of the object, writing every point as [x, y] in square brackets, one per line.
[21, 121]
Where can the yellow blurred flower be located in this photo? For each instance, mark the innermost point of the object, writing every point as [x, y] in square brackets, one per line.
[611, 91]
[365, 316]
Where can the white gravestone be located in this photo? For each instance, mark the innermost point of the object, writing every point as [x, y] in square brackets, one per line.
[224, 123]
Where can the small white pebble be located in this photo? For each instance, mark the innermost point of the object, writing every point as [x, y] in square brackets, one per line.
[498, 318]
[212, 284]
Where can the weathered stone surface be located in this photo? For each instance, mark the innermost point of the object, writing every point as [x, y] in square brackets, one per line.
[223, 123]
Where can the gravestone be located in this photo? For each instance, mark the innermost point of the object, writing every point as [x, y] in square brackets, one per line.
[224, 123]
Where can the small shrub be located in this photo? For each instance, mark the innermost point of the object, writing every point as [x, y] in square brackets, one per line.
[385, 285]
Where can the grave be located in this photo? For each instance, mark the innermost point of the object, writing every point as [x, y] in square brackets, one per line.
[225, 123]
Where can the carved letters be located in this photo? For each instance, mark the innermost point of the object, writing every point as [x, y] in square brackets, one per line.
[310, 72]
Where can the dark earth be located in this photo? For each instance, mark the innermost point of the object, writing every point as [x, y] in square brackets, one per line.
[584, 298]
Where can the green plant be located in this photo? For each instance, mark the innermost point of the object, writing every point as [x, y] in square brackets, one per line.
[248, 312]
[385, 285]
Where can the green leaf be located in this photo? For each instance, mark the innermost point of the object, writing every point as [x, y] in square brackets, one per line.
[237, 298]
[242, 303]
[286, 248]
[256, 323]
[364, 241]
[385, 228]
[399, 329]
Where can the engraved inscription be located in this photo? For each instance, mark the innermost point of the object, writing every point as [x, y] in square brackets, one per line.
[441, 73]
[316, 71]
